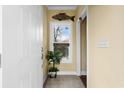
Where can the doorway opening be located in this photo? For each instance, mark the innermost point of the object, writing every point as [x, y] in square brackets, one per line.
[82, 46]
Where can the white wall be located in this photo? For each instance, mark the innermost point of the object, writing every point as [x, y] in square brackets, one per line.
[0, 29]
[21, 60]
[0, 44]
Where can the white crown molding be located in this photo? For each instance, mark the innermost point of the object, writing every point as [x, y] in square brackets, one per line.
[62, 7]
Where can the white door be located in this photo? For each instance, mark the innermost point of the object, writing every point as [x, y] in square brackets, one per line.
[22, 42]
[0, 45]
[41, 38]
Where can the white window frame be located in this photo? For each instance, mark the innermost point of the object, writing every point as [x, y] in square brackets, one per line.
[51, 48]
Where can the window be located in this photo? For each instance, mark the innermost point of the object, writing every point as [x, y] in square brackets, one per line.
[60, 39]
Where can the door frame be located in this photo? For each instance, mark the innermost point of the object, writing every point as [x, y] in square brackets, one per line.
[83, 14]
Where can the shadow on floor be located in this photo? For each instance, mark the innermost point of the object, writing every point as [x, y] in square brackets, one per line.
[84, 80]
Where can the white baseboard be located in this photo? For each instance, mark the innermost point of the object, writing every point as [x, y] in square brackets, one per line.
[67, 73]
[83, 73]
[71, 73]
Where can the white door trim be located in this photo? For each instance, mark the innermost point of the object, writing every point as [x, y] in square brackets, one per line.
[83, 15]
[78, 46]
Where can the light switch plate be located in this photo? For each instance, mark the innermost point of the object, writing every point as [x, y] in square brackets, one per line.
[103, 44]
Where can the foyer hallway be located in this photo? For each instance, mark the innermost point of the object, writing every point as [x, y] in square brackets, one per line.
[27, 36]
[64, 81]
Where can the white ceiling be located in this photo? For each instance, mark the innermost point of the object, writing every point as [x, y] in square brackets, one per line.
[62, 7]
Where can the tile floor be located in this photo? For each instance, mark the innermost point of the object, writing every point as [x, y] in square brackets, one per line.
[62, 81]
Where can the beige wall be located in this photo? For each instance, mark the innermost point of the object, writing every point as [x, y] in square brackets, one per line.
[64, 66]
[83, 45]
[106, 65]
[45, 41]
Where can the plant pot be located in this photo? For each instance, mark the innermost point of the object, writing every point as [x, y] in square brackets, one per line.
[53, 74]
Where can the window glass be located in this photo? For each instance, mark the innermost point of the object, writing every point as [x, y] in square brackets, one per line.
[61, 39]
[64, 48]
[61, 33]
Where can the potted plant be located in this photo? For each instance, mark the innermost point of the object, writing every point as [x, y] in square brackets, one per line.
[54, 58]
